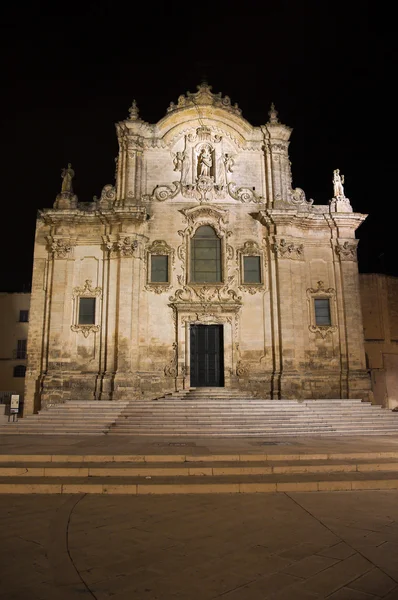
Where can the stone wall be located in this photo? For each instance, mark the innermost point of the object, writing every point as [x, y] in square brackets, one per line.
[379, 299]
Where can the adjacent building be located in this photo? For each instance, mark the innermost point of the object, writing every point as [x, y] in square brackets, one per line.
[14, 320]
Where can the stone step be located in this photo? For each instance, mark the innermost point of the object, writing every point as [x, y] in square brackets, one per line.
[240, 484]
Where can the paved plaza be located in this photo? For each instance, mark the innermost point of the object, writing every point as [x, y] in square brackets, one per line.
[339, 545]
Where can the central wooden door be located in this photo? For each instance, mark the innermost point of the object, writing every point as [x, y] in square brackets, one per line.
[207, 356]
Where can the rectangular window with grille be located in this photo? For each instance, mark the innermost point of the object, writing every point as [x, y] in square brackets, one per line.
[251, 269]
[23, 316]
[21, 348]
[86, 311]
[159, 268]
[322, 311]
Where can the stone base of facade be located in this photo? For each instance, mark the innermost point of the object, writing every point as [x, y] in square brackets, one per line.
[57, 387]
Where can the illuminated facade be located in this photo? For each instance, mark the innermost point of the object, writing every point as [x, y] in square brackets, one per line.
[200, 266]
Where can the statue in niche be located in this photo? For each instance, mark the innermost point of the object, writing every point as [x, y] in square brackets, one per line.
[225, 166]
[67, 176]
[338, 181]
[205, 162]
[181, 163]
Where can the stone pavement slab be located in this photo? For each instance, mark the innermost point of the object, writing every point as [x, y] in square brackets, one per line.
[294, 546]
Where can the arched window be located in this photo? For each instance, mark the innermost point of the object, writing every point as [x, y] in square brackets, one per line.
[19, 371]
[206, 256]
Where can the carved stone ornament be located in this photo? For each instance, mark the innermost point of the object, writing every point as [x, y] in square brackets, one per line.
[205, 172]
[202, 97]
[60, 247]
[87, 290]
[285, 249]
[207, 294]
[123, 247]
[321, 292]
[171, 369]
[347, 250]
[107, 198]
[85, 329]
[242, 370]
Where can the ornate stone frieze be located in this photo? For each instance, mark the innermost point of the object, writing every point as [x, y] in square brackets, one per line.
[60, 247]
[207, 294]
[286, 249]
[347, 250]
[204, 96]
[87, 290]
[123, 247]
[85, 329]
[205, 318]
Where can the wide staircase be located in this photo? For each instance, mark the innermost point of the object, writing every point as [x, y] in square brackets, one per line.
[210, 412]
[70, 418]
[231, 413]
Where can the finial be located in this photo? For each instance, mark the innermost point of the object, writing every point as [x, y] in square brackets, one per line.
[273, 114]
[133, 110]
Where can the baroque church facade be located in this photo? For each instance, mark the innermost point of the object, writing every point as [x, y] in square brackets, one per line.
[201, 267]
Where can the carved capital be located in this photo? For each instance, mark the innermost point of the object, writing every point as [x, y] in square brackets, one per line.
[286, 249]
[347, 250]
[60, 247]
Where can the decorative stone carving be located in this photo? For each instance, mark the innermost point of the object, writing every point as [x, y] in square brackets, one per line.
[123, 247]
[60, 247]
[134, 112]
[284, 249]
[171, 370]
[244, 194]
[321, 292]
[207, 294]
[297, 197]
[242, 369]
[204, 96]
[85, 329]
[107, 198]
[347, 250]
[273, 114]
[87, 290]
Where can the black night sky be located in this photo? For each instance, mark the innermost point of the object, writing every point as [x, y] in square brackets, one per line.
[70, 72]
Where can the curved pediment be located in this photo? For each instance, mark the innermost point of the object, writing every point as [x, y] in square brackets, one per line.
[206, 109]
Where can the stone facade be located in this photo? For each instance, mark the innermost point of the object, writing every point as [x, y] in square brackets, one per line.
[201, 166]
[379, 299]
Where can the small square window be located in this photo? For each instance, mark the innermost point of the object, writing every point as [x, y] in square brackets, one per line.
[159, 268]
[251, 269]
[23, 316]
[19, 371]
[86, 311]
[322, 311]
